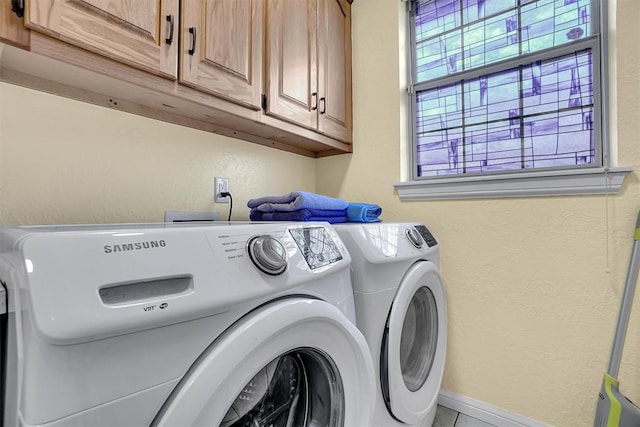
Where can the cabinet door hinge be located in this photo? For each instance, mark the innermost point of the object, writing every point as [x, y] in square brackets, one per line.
[264, 102]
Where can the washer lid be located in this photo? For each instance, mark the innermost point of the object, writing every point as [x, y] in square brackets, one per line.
[282, 341]
[416, 343]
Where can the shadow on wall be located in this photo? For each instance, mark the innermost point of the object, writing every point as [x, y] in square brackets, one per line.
[332, 173]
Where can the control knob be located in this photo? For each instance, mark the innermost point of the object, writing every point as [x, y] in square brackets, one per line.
[268, 254]
[414, 237]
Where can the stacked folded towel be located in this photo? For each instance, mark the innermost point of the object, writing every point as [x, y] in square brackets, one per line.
[363, 212]
[298, 206]
[301, 215]
[296, 200]
[305, 206]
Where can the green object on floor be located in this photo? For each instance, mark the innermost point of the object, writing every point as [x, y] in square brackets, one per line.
[613, 408]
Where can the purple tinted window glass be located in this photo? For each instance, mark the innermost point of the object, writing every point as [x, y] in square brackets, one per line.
[452, 36]
[438, 38]
[440, 56]
[549, 23]
[436, 17]
[532, 116]
[474, 10]
[491, 40]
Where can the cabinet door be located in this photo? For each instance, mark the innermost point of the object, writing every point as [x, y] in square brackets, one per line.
[221, 48]
[292, 61]
[334, 69]
[136, 32]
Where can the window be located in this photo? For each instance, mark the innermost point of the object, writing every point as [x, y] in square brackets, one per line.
[507, 98]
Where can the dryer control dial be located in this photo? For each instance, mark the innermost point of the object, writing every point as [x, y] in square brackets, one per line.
[268, 254]
[414, 237]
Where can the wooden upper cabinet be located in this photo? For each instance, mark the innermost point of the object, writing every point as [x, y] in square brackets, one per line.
[221, 48]
[275, 72]
[291, 86]
[141, 33]
[334, 71]
[12, 30]
[309, 64]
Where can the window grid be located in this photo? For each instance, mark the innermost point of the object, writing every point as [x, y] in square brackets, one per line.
[536, 115]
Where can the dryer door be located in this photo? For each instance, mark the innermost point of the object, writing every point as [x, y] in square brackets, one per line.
[415, 344]
[294, 362]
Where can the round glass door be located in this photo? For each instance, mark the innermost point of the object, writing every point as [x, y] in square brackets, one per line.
[414, 345]
[294, 362]
[299, 388]
[418, 339]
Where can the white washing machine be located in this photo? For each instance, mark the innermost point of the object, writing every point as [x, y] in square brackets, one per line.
[401, 310]
[182, 325]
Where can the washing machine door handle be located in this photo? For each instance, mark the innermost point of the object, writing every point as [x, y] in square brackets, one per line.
[416, 344]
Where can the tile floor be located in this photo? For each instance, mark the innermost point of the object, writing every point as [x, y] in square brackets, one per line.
[446, 417]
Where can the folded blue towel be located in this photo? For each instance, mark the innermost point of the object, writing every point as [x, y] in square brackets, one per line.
[296, 200]
[363, 212]
[307, 213]
[332, 217]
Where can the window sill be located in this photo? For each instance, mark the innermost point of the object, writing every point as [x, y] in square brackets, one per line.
[527, 184]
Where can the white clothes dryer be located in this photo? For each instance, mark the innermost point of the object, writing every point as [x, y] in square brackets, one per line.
[401, 310]
[235, 324]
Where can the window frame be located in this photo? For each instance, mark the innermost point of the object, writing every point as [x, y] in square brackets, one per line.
[596, 178]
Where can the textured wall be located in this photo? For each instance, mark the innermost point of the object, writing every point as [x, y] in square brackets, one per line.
[62, 161]
[532, 308]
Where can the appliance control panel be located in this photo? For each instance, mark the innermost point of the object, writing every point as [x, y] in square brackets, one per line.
[426, 235]
[316, 245]
[89, 282]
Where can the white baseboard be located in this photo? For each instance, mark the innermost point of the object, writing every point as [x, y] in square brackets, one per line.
[484, 412]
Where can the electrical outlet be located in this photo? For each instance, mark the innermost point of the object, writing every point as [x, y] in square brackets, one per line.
[221, 185]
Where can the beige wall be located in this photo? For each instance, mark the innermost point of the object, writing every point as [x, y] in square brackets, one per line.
[62, 161]
[531, 304]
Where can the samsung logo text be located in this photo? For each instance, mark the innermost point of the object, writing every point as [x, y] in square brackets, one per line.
[136, 246]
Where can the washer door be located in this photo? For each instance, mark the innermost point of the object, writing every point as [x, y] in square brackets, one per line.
[415, 344]
[294, 362]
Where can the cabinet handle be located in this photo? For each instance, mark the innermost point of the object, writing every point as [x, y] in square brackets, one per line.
[169, 39]
[192, 30]
[324, 105]
[314, 101]
[17, 7]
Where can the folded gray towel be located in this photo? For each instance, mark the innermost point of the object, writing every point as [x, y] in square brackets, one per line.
[295, 201]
